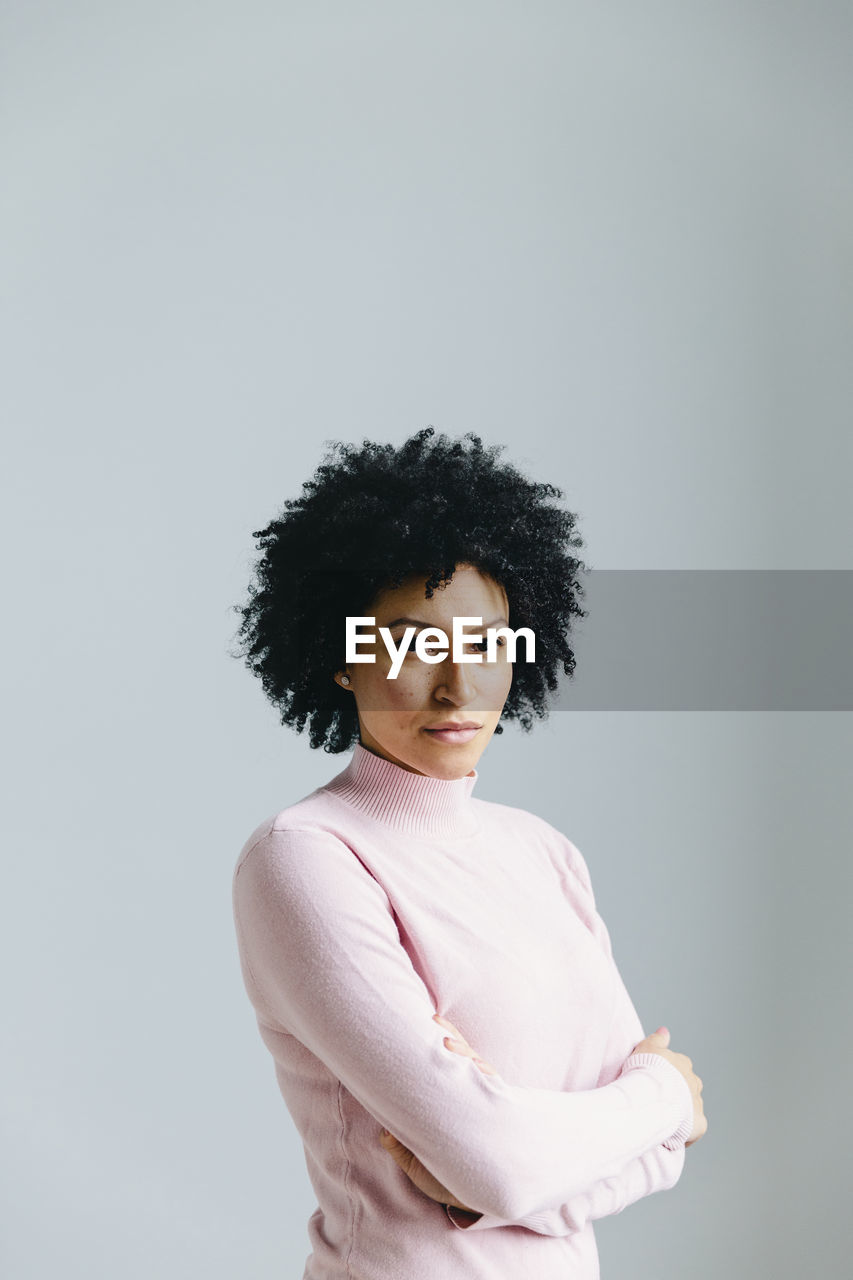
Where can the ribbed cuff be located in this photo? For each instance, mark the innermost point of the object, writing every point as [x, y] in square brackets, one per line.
[663, 1068]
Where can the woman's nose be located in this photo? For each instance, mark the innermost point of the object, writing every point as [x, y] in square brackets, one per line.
[456, 679]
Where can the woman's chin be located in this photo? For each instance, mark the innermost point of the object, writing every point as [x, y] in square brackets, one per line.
[449, 760]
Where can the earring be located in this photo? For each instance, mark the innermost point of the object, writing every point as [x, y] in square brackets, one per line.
[344, 679]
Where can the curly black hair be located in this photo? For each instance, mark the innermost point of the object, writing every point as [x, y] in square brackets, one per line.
[371, 516]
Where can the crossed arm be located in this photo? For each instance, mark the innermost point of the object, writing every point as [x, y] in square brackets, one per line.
[322, 959]
[656, 1170]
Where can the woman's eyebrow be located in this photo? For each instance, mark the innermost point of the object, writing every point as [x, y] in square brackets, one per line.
[418, 622]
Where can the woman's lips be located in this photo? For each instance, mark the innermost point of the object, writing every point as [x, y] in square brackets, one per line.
[452, 735]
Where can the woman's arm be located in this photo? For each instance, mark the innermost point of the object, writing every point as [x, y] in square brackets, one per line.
[322, 959]
[656, 1170]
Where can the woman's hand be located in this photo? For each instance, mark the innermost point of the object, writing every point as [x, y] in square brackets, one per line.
[657, 1043]
[409, 1163]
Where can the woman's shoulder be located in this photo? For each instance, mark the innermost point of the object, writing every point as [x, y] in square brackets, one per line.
[301, 825]
[290, 861]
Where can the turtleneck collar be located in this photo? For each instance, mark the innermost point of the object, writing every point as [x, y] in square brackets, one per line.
[409, 802]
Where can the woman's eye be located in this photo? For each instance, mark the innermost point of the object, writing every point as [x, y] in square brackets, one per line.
[484, 643]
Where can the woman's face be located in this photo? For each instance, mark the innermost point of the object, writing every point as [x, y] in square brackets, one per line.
[396, 716]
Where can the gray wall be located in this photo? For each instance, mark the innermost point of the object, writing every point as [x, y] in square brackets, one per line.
[616, 238]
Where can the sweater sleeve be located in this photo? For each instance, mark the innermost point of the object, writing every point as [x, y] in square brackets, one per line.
[322, 959]
[657, 1169]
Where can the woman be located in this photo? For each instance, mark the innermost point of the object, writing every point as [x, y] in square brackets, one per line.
[420, 960]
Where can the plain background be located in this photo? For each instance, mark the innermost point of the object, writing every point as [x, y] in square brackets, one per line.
[616, 238]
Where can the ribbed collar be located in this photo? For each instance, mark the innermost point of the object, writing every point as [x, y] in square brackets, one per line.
[409, 802]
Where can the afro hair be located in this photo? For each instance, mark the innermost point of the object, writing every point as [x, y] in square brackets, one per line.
[370, 517]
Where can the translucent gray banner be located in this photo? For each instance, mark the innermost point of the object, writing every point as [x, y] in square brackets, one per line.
[713, 640]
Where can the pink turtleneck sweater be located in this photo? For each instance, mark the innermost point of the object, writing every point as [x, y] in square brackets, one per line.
[382, 898]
